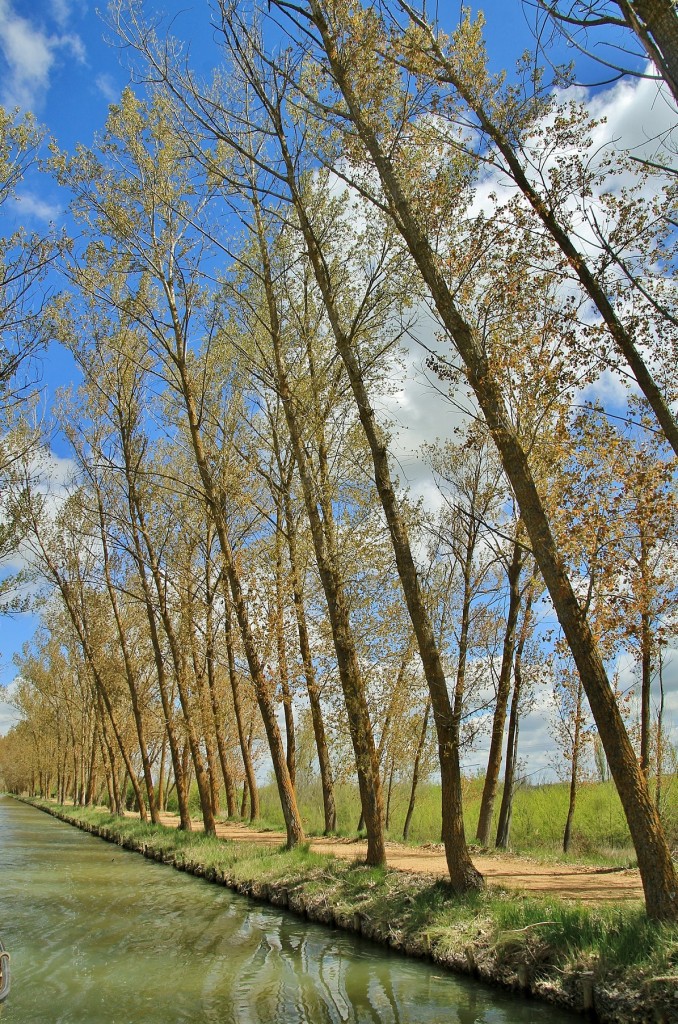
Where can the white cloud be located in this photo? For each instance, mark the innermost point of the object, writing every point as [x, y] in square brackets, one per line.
[107, 87]
[8, 714]
[52, 475]
[61, 11]
[73, 43]
[30, 55]
[32, 206]
[636, 115]
[418, 410]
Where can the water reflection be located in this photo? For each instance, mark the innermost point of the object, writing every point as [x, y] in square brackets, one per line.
[101, 935]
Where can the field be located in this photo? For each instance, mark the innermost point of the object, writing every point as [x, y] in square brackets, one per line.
[600, 833]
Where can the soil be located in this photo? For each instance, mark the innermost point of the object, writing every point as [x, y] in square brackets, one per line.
[568, 881]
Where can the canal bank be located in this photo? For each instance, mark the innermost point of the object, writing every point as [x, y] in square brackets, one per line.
[569, 956]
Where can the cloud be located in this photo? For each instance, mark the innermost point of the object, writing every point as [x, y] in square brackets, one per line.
[61, 11]
[52, 475]
[418, 410]
[30, 55]
[107, 87]
[9, 716]
[636, 115]
[32, 206]
[633, 116]
[73, 43]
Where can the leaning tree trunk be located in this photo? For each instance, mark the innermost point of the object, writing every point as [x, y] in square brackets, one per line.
[248, 766]
[415, 771]
[463, 874]
[655, 23]
[216, 502]
[503, 691]
[324, 543]
[574, 769]
[288, 709]
[130, 674]
[326, 780]
[506, 809]
[217, 713]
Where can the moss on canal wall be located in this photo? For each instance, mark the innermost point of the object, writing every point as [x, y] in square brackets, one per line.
[610, 963]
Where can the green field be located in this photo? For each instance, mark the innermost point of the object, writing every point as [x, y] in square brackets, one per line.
[600, 832]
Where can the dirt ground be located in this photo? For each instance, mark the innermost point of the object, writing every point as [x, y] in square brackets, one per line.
[595, 885]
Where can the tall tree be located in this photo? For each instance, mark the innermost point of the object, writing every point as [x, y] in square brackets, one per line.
[24, 260]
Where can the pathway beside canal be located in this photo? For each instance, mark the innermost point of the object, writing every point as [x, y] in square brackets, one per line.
[569, 881]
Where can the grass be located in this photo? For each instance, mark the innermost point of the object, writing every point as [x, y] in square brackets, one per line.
[600, 834]
[499, 931]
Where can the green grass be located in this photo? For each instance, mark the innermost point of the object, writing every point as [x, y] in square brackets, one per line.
[600, 834]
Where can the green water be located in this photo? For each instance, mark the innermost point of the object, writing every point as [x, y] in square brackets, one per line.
[98, 934]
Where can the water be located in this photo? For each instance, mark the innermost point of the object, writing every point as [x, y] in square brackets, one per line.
[101, 935]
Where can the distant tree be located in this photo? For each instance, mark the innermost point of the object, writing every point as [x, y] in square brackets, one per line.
[519, 698]
[571, 732]
[145, 263]
[602, 769]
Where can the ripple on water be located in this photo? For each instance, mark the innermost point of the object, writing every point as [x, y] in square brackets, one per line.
[101, 936]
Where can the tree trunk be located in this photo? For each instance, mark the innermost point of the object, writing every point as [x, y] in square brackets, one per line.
[324, 542]
[574, 770]
[167, 707]
[656, 25]
[217, 715]
[503, 691]
[109, 759]
[288, 710]
[178, 654]
[415, 771]
[91, 776]
[646, 665]
[326, 780]
[216, 502]
[134, 508]
[463, 874]
[389, 791]
[660, 735]
[506, 809]
[250, 777]
[107, 775]
[130, 675]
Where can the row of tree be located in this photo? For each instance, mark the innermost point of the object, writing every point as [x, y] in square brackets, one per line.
[251, 253]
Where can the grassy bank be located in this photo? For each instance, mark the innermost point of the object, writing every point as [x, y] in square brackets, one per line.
[610, 957]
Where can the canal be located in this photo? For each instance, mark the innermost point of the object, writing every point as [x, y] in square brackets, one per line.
[103, 936]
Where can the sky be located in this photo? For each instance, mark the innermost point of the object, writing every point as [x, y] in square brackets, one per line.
[59, 60]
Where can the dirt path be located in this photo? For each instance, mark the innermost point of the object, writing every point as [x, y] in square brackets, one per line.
[565, 880]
